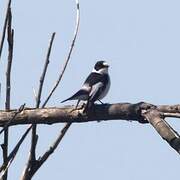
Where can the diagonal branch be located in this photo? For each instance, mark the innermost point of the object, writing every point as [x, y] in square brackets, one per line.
[4, 28]
[34, 138]
[52, 148]
[41, 82]
[68, 57]
[13, 153]
[163, 128]
[36, 166]
[67, 126]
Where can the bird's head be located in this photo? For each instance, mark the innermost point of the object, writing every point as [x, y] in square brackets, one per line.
[101, 67]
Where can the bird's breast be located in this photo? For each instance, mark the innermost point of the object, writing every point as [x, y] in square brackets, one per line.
[106, 88]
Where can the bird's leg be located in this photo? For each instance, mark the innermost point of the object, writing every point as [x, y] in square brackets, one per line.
[88, 106]
[76, 107]
[77, 104]
[100, 101]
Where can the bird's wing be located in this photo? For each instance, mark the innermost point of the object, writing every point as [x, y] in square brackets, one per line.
[92, 79]
[96, 91]
[97, 83]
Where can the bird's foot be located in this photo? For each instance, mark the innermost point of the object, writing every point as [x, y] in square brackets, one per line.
[100, 101]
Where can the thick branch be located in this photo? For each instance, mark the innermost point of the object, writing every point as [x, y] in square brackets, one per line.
[141, 112]
[123, 111]
[164, 129]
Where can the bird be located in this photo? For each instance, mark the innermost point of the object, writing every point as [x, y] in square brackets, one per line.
[95, 87]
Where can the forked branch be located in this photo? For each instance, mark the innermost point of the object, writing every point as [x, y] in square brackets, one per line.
[140, 112]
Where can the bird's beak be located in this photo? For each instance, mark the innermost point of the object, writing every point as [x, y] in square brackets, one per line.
[106, 64]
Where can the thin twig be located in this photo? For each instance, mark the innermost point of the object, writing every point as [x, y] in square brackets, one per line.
[51, 149]
[35, 95]
[34, 137]
[41, 82]
[66, 127]
[69, 55]
[13, 153]
[4, 28]
[64, 130]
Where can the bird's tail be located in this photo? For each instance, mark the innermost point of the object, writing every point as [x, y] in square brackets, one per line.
[77, 95]
[65, 100]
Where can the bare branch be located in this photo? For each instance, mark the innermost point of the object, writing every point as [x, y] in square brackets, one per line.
[163, 128]
[10, 57]
[12, 119]
[47, 154]
[51, 149]
[44, 71]
[13, 153]
[64, 130]
[4, 28]
[10, 38]
[34, 138]
[66, 114]
[141, 112]
[69, 54]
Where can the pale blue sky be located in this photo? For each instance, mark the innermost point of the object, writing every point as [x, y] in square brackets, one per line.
[141, 42]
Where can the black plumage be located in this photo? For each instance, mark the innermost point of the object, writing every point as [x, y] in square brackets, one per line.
[95, 86]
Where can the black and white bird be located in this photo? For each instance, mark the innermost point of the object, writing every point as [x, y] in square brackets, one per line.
[95, 87]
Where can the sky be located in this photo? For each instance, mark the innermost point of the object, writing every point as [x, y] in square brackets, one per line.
[141, 42]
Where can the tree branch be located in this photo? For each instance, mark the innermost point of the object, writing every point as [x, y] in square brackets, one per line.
[66, 127]
[67, 114]
[41, 81]
[10, 38]
[69, 54]
[141, 112]
[34, 138]
[37, 164]
[52, 148]
[4, 28]
[12, 119]
[13, 153]
[163, 128]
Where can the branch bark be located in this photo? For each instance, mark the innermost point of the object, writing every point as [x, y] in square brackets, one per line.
[163, 128]
[67, 114]
[141, 112]
[31, 164]
[28, 173]
[4, 28]
[10, 38]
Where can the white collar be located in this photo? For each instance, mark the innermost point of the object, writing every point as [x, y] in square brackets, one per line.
[101, 71]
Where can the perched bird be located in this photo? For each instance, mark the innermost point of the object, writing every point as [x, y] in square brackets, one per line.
[95, 87]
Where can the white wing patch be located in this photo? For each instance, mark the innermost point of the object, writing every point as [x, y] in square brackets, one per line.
[95, 89]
